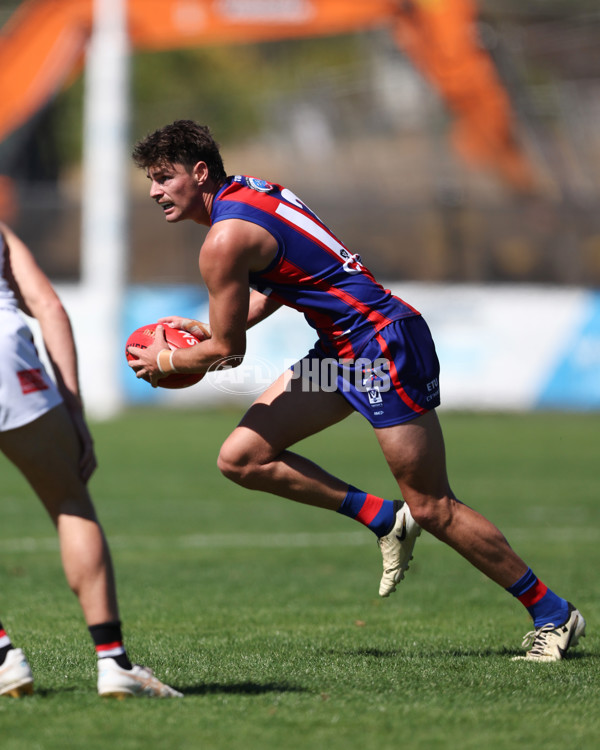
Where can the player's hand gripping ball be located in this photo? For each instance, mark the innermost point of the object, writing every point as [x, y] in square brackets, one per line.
[176, 339]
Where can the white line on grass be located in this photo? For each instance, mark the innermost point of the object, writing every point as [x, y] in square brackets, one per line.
[282, 541]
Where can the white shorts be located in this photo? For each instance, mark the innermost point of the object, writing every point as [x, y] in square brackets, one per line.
[26, 390]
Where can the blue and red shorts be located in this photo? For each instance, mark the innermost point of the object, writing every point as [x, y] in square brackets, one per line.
[393, 380]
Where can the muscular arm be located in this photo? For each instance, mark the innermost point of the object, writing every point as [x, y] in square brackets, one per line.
[231, 250]
[260, 308]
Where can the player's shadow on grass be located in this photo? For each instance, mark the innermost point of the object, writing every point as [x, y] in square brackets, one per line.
[445, 653]
[52, 692]
[242, 688]
[377, 653]
[211, 688]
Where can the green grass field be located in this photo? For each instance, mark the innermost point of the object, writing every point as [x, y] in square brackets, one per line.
[266, 615]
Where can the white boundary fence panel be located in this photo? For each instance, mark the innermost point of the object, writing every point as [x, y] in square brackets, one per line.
[500, 348]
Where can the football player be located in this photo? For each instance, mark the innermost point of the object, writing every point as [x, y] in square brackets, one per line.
[266, 248]
[44, 433]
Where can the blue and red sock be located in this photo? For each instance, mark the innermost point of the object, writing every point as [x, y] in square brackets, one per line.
[377, 514]
[542, 603]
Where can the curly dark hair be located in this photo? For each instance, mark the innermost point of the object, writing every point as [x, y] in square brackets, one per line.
[183, 142]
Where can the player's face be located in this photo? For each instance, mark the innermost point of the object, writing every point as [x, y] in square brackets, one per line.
[175, 190]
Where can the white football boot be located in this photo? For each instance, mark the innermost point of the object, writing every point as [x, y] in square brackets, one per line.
[550, 642]
[397, 548]
[116, 682]
[15, 675]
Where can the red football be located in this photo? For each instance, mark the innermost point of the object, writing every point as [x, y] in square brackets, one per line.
[176, 339]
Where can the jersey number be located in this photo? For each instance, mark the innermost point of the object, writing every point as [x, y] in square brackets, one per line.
[352, 263]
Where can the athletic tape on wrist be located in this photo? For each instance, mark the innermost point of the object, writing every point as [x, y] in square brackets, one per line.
[165, 367]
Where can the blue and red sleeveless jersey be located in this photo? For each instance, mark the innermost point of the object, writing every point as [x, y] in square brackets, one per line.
[313, 271]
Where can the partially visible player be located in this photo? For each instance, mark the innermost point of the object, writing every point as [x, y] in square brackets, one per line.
[44, 433]
[377, 346]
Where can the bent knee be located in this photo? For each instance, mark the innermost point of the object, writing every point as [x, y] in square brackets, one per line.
[229, 463]
[433, 514]
[238, 461]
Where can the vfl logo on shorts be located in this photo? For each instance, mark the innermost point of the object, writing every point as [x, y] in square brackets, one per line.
[31, 381]
[374, 396]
